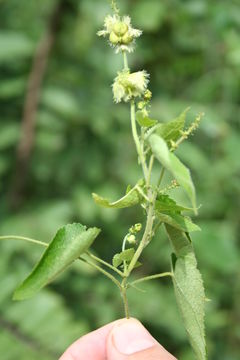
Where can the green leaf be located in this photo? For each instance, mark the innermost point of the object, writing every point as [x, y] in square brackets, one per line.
[180, 172]
[178, 221]
[145, 121]
[16, 46]
[189, 290]
[131, 198]
[70, 242]
[125, 255]
[165, 204]
[171, 130]
[181, 243]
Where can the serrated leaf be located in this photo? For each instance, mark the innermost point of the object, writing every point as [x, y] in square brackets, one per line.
[145, 121]
[68, 244]
[189, 290]
[131, 198]
[170, 161]
[165, 204]
[171, 130]
[125, 255]
[178, 221]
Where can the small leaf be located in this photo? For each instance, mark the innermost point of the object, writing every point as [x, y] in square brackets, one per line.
[125, 255]
[131, 198]
[165, 204]
[171, 130]
[178, 221]
[180, 172]
[137, 265]
[69, 243]
[189, 290]
[181, 243]
[145, 121]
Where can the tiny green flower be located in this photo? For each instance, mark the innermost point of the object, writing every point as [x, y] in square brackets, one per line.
[128, 85]
[131, 239]
[148, 95]
[120, 31]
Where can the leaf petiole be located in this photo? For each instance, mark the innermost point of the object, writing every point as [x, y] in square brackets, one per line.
[15, 237]
[151, 277]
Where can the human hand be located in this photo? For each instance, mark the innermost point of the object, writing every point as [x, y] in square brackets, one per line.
[120, 340]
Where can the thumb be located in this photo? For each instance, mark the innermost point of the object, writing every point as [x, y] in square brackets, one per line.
[129, 340]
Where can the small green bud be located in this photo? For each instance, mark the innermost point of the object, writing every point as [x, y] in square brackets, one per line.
[147, 95]
[131, 239]
[135, 228]
[138, 227]
[120, 28]
[126, 39]
[141, 105]
[114, 39]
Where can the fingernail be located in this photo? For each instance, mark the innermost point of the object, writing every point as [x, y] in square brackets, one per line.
[131, 337]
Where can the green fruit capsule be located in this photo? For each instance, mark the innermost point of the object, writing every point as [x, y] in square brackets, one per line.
[120, 28]
[126, 39]
[114, 39]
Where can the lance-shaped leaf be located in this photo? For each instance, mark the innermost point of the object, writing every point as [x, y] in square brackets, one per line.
[70, 242]
[172, 130]
[180, 222]
[189, 290]
[180, 172]
[132, 197]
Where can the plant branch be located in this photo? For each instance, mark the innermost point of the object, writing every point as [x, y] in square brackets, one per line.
[150, 170]
[124, 298]
[136, 140]
[107, 274]
[125, 61]
[119, 272]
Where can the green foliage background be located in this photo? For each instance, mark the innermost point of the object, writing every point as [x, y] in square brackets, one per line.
[83, 144]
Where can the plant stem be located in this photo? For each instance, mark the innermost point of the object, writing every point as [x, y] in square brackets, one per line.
[150, 170]
[123, 249]
[151, 277]
[136, 140]
[125, 61]
[15, 237]
[107, 274]
[122, 286]
[145, 238]
[124, 297]
[94, 257]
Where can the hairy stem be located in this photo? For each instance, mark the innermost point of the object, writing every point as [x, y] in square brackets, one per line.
[125, 61]
[137, 142]
[150, 170]
[124, 298]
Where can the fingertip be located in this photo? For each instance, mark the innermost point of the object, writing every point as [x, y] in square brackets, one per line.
[91, 346]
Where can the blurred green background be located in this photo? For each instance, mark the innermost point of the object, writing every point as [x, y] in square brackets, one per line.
[81, 143]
